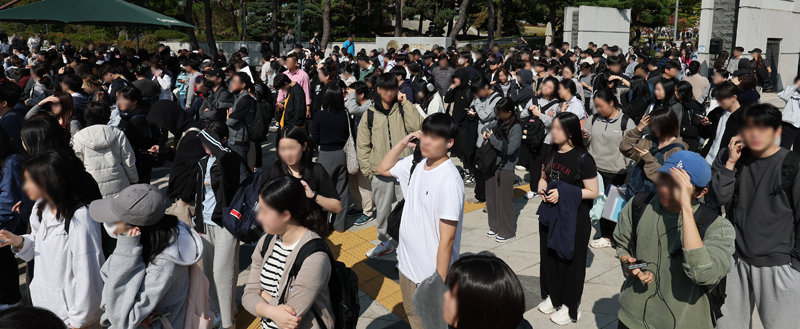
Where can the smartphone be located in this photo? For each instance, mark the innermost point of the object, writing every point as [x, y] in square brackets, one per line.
[638, 264]
[413, 140]
[700, 116]
[632, 144]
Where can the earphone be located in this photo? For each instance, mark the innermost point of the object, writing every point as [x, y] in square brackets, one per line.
[449, 144]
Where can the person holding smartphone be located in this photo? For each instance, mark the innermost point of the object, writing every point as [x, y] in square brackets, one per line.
[670, 264]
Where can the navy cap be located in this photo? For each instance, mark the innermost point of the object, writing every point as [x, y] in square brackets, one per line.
[695, 165]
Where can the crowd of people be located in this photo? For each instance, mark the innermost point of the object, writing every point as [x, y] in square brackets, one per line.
[709, 197]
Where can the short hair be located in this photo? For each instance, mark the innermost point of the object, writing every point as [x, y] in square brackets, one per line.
[399, 71]
[281, 80]
[131, 93]
[747, 81]
[739, 49]
[615, 60]
[668, 65]
[725, 90]
[97, 113]
[762, 115]
[694, 67]
[725, 74]
[441, 125]
[10, 93]
[386, 81]
[664, 121]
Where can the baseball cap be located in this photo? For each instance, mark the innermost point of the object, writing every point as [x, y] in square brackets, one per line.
[138, 204]
[756, 50]
[695, 165]
[214, 72]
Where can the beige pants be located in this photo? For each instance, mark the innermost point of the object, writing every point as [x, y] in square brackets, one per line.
[361, 190]
[407, 289]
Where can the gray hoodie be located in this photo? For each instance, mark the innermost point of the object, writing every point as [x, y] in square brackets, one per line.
[134, 290]
[485, 108]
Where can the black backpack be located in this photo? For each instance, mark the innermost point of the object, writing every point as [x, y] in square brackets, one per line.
[258, 129]
[396, 216]
[343, 284]
[704, 216]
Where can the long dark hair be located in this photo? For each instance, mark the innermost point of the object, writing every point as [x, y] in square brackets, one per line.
[157, 237]
[505, 104]
[286, 193]
[669, 92]
[488, 279]
[43, 133]
[684, 91]
[63, 179]
[306, 161]
[332, 99]
[572, 127]
[30, 317]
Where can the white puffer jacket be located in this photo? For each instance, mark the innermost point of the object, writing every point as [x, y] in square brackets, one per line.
[108, 157]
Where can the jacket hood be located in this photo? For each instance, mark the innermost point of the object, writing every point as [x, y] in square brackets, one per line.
[525, 78]
[167, 114]
[463, 75]
[187, 249]
[211, 140]
[97, 137]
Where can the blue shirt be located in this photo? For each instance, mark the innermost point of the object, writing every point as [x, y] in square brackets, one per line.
[351, 48]
[209, 198]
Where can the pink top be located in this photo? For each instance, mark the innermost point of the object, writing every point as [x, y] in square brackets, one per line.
[301, 78]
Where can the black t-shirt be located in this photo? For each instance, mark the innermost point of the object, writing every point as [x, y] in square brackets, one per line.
[573, 167]
[319, 182]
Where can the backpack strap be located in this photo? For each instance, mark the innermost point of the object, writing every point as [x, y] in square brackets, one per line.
[370, 119]
[624, 124]
[638, 205]
[311, 247]
[265, 246]
[704, 216]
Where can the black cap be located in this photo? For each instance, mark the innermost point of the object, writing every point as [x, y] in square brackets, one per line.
[756, 50]
[214, 72]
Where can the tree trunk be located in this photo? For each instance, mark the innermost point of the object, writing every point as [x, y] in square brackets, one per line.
[326, 24]
[498, 31]
[212, 44]
[276, 40]
[421, 19]
[490, 23]
[461, 22]
[370, 20]
[398, 18]
[234, 20]
[188, 17]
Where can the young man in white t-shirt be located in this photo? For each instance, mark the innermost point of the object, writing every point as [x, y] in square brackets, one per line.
[430, 230]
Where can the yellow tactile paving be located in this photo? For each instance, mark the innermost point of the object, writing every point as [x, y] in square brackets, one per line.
[350, 248]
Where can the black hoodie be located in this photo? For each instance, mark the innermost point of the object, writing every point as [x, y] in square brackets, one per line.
[167, 114]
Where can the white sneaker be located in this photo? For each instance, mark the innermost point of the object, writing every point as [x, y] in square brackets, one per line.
[600, 243]
[546, 306]
[531, 195]
[381, 249]
[520, 168]
[561, 317]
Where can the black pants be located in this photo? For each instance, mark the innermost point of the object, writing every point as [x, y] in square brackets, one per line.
[536, 163]
[606, 226]
[562, 279]
[9, 277]
[790, 137]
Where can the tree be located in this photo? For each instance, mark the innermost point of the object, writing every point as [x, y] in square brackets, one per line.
[188, 17]
[212, 43]
[276, 40]
[398, 18]
[461, 22]
[326, 23]
[490, 14]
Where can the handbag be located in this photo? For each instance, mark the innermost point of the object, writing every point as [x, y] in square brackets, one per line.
[350, 154]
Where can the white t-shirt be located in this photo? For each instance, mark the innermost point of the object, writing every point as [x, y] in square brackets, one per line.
[715, 146]
[432, 195]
